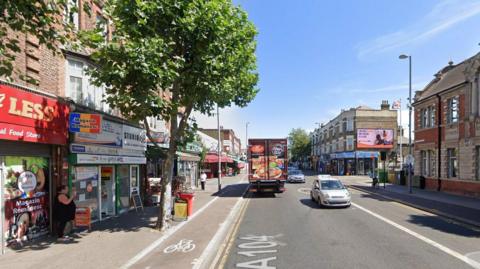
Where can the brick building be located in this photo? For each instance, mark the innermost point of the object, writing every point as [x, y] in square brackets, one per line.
[231, 144]
[447, 129]
[335, 145]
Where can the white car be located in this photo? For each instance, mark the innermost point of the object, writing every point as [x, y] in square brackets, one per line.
[296, 176]
[329, 191]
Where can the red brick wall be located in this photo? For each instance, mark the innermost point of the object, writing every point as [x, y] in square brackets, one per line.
[461, 187]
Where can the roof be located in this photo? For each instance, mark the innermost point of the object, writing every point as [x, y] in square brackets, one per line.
[448, 77]
[364, 108]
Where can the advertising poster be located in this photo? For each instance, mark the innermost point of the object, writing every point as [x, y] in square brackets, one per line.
[258, 167]
[26, 198]
[375, 138]
[86, 184]
[277, 159]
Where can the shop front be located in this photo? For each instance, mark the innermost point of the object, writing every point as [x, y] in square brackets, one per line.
[105, 168]
[33, 134]
[354, 162]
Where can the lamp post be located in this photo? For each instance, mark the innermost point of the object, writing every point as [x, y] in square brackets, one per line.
[246, 143]
[409, 57]
[219, 151]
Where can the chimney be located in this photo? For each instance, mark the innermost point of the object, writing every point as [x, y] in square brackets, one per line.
[384, 105]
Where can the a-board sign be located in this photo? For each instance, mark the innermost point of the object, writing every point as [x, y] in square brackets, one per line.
[137, 200]
[83, 217]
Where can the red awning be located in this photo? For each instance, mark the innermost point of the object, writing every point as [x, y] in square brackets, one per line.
[213, 158]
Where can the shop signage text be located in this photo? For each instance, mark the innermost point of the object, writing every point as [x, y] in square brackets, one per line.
[106, 159]
[85, 123]
[26, 116]
[111, 135]
[94, 149]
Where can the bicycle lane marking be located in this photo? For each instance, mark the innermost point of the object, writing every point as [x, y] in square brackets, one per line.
[183, 245]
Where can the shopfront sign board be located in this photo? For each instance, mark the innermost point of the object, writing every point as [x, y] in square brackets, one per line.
[30, 117]
[137, 200]
[134, 138]
[111, 135]
[94, 149]
[108, 159]
[85, 123]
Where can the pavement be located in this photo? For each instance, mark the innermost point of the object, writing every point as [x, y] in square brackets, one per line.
[127, 241]
[455, 207]
[290, 231]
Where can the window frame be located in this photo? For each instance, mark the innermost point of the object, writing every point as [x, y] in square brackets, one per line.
[452, 158]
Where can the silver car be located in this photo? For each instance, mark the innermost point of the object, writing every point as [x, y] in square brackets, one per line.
[296, 176]
[328, 191]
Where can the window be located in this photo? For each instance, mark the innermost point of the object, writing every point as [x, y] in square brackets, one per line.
[71, 13]
[424, 118]
[432, 111]
[452, 163]
[427, 117]
[424, 164]
[79, 88]
[344, 125]
[349, 125]
[350, 143]
[477, 162]
[452, 110]
[102, 24]
[432, 161]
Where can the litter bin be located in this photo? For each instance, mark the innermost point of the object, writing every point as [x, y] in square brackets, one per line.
[189, 198]
[180, 209]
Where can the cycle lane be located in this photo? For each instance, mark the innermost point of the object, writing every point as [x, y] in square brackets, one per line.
[183, 248]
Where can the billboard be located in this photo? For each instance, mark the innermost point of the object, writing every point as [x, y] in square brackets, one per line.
[374, 138]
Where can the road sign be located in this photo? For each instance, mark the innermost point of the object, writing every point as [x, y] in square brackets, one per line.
[409, 160]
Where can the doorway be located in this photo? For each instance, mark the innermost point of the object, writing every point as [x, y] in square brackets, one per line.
[134, 175]
[107, 191]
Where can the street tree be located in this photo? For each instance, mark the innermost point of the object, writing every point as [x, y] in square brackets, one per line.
[168, 58]
[300, 144]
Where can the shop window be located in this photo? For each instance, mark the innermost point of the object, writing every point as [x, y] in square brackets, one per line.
[26, 196]
[452, 110]
[452, 163]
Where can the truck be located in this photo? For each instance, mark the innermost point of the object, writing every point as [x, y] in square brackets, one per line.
[268, 165]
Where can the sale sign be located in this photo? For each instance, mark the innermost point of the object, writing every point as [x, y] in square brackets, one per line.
[31, 117]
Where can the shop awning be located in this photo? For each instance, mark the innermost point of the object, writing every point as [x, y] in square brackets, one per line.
[213, 158]
[183, 156]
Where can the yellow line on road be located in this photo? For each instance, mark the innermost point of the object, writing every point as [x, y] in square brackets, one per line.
[225, 248]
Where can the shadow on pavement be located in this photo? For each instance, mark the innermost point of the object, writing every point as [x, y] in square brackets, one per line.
[234, 190]
[257, 195]
[440, 224]
[128, 222]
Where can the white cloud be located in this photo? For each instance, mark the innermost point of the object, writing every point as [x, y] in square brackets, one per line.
[443, 16]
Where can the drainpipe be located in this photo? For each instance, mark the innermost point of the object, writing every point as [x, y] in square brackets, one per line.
[439, 155]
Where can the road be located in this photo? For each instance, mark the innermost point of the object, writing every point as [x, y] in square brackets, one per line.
[290, 231]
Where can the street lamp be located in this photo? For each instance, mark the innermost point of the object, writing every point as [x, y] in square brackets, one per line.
[219, 152]
[409, 57]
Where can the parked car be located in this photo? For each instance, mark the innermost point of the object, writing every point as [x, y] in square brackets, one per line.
[329, 191]
[296, 176]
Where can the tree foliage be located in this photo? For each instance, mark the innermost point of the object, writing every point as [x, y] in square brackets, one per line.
[300, 144]
[170, 57]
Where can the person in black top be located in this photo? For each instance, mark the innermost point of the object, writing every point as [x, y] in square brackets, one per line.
[65, 209]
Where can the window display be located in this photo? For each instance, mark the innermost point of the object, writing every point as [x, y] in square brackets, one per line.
[86, 183]
[26, 197]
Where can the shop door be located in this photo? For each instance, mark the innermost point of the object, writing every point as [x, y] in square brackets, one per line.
[107, 191]
[361, 167]
[123, 186]
[134, 182]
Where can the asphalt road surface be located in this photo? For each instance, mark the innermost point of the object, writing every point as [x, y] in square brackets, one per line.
[290, 231]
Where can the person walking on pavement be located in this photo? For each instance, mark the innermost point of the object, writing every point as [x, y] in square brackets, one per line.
[203, 179]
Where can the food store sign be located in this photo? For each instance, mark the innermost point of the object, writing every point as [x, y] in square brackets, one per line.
[30, 117]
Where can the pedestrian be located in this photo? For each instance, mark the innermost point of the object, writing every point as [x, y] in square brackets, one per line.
[65, 210]
[203, 179]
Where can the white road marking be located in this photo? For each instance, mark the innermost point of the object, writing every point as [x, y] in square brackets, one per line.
[183, 245]
[443, 248]
[223, 228]
[167, 234]
[258, 264]
[258, 242]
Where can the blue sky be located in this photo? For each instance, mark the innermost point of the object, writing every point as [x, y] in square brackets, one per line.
[316, 57]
